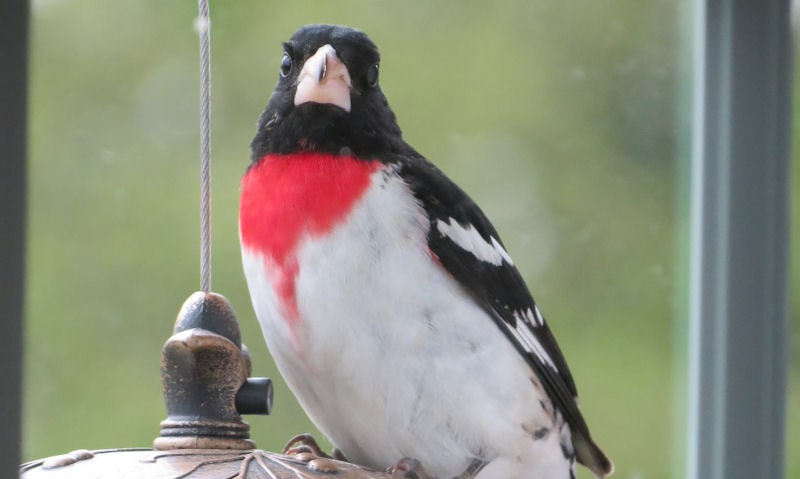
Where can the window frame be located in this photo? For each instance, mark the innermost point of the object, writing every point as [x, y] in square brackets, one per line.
[739, 231]
[13, 182]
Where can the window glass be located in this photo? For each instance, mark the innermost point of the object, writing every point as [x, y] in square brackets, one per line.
[793, 401]
[566, 121]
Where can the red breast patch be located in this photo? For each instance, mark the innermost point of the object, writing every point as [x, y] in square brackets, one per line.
[286, 196]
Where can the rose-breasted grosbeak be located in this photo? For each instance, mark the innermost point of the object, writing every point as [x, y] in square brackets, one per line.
[385, 295]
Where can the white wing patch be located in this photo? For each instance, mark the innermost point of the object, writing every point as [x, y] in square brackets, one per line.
[528, 340]
[469, 239]
[539, 318]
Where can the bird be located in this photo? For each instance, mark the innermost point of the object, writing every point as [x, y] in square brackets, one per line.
[386, 297]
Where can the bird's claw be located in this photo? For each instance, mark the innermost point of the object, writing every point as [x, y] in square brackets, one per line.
[472, 471]
[408, 468]
[339, 455]
[305, 444]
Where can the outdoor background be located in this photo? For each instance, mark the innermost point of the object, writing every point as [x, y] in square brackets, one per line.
[567, 121]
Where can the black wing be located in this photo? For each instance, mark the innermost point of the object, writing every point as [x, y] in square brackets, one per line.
[496, 284]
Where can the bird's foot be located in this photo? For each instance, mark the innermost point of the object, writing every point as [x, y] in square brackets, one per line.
[339, 455]
[472, 471]
[304, 448]
[306, 444]
[408, 468]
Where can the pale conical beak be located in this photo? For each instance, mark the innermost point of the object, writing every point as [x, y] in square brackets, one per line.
[324, 79]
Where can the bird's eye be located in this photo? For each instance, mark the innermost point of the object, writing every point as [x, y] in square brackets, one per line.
[372, 75]
[286, 65]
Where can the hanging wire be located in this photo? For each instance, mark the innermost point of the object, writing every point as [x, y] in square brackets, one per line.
[203, 27]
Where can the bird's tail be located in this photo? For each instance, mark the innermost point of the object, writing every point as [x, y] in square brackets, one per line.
[590, 455]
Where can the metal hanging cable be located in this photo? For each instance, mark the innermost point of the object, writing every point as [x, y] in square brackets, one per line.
[203, 27]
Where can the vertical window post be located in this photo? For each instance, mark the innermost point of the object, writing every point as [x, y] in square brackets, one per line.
[13, 99]
[739, 239]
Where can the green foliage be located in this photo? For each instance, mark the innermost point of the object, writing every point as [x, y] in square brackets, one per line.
[565, 121]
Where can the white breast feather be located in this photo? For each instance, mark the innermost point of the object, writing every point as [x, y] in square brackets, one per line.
[392, 358]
